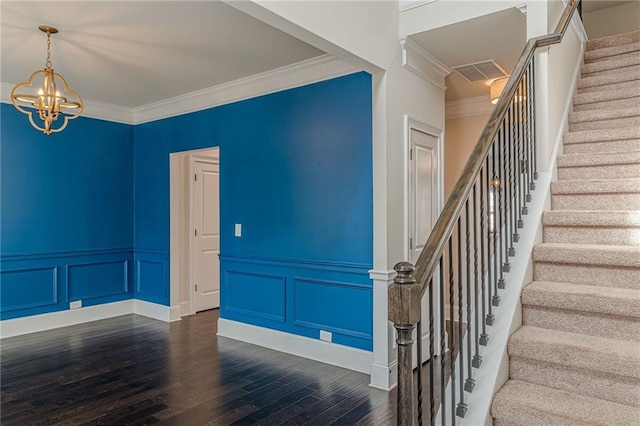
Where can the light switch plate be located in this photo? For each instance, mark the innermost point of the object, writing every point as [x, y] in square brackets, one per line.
[238, 231]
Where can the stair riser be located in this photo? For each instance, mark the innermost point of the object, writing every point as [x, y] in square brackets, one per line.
[612, 171]
[596, 201]
[618, 389]
[598, 147]
[628, 83]
[614, 103]
[592, 235]
[610, 326]
[603, 276]
[612, 123]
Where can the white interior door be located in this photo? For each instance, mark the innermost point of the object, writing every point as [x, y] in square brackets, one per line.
[424, 195]
[423, 189]
[206, 232]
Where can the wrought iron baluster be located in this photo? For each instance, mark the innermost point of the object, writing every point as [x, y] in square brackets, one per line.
[452, 337]
[432, 360]
[419, 369]
[443, 358]
[477, 359]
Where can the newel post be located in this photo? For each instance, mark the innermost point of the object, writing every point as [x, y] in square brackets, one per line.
[404, 313]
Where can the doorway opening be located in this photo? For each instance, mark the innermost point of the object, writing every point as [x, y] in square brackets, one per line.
[195, 230]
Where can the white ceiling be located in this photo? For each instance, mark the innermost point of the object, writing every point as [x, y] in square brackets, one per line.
[133, 53]
[500, 36]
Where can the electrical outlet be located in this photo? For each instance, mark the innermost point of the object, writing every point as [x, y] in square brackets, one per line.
[75, 304]
[238, 230]
[326, 335]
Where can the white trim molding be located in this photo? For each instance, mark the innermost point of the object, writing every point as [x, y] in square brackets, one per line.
[313, 70]
[49, 321]
[468, 107]
[43, 322]
[320, 68]
[156, 311]
[384, 365]
[423, 63]
[317, 350]
[92, 109]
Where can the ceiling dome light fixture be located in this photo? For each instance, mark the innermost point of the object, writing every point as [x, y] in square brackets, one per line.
[496, 88]
[48, 93]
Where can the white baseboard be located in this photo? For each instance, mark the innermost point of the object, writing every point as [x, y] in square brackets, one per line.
[185, 309]
[156, 311]
[384, 376]
[49, 321]
[305, 347]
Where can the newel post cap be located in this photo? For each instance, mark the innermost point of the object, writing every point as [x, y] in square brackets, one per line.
[404, 295]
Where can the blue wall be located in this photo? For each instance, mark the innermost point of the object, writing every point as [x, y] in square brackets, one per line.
[66, 214]
[85, 214]
[296, 172]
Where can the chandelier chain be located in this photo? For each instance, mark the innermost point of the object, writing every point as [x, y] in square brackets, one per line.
[48, 63]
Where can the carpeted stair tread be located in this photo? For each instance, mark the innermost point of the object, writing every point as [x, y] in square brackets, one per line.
[610, 165]
[611, 65]
[619, 389]
[593, 324]
[614, 40]
[596, 147]
[584, 298]
[587, 254]
[597, 186]
[523, 403]
[625, 77]
[598, 227]
[603, 114]
[608, 52]
[587, 136]
[633, 82]
[591, 218]
[606, 158]
[602, 96]
[594, 353]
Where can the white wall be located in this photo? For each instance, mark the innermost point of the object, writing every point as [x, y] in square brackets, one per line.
[613, 20]
[361, 32]
[446, 12]
[461, 136]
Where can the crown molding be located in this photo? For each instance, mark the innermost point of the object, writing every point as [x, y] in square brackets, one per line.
[423, 63]
[313, 70]
[92, 109]
[468, 107]
[310, 71]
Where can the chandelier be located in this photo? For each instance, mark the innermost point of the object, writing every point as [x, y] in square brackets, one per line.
[47, 95]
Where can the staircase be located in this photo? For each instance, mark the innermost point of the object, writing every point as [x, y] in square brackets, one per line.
[576, 359]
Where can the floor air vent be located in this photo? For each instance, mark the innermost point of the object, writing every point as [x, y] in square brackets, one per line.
[479, 71]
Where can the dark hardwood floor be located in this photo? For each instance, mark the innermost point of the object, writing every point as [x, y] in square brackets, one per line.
[135, 370]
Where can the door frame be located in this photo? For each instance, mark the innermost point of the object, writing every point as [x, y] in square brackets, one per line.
[193, 159]
[411, 123]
